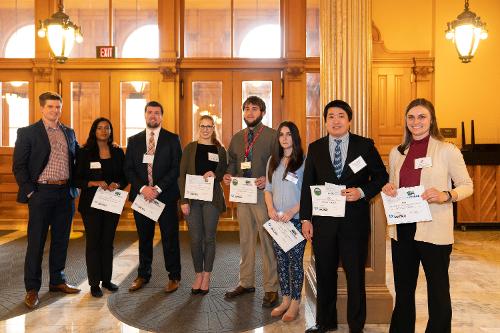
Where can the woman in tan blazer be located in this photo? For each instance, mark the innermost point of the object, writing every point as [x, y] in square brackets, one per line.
[205, 157]
[425, 159]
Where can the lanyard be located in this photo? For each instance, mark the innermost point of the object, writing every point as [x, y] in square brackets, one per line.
[249, 146]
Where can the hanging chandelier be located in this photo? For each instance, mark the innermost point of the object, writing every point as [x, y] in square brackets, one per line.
[61, 33]
[466, 32]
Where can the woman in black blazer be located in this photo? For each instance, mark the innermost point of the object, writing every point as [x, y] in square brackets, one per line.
[99, 164]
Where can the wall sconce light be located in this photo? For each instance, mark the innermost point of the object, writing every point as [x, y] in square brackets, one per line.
[61, 33]
[466, 32]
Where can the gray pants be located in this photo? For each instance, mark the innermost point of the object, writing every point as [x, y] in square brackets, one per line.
[252, 218]
[202, 224]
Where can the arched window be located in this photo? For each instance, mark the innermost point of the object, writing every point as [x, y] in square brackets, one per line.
[143, 42]
[263, 41]
[21, 43]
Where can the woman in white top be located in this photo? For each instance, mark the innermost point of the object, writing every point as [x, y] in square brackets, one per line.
[425, 159]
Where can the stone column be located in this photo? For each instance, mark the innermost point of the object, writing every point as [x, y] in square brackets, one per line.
[345, 28]
[345, 74]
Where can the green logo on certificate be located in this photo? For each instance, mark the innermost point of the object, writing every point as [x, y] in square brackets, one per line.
[317, 191]
[235, 182]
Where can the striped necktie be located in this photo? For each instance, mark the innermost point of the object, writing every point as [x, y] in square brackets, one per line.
[248, 172]
[151, 151]
[337, 160]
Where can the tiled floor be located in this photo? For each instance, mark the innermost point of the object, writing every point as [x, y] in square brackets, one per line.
[475, 285]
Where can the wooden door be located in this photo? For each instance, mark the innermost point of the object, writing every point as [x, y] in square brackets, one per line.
[85, 97]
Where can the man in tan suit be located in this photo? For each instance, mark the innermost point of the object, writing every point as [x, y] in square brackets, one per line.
[249, 152]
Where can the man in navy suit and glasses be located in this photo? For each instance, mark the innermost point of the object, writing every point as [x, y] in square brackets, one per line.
[152, 168]
[341, 158]
[43, 164]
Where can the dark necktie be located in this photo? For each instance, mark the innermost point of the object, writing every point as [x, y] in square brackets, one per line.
[337, 160]
[248, 172]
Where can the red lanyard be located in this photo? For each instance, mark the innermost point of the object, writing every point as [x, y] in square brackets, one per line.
[249, 146]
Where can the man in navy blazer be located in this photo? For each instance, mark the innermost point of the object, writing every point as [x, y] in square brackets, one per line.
[152, 168]
[341, 158]
[43, 164]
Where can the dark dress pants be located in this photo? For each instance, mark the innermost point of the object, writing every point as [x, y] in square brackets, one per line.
[407, 254]
[50, 205]
[169, 228]
[331, 243]
[100, 228]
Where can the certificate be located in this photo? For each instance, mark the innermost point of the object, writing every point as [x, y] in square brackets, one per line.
[243, 190]
[150, 209]
[285, 234]
[199, 188]
[407, 206]
[109, 201]
[327, 200]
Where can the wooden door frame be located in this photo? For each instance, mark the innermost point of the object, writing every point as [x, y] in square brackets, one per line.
[115, 97]
[68, 76]
[185, 117]
[257, 75]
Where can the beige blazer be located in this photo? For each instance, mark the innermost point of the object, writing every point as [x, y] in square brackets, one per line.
[447, 165]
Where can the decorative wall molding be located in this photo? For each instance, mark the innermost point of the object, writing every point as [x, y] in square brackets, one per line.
[169, 69]
[42, 74]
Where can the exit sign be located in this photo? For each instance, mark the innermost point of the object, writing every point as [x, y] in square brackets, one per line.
[105, 52]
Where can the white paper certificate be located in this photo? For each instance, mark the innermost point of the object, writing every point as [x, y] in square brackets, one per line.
[243, 190]
[285, 234]
[199, 188]
[109, 201]
[150, 209]
[328, 201]
[407, 206]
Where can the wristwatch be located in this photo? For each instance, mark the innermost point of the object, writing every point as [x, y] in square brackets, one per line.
[448, 193]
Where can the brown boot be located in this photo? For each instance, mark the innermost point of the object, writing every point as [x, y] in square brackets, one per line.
[172, 286]
[31, 300]
[138, 283]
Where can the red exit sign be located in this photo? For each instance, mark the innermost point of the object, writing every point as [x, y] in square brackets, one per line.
[105, 52]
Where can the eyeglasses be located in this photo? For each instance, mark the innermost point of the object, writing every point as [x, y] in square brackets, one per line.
[206, 127]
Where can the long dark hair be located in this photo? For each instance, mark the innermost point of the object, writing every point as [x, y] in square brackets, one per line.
[214, 139]
[91, 144]
[297, 156]
[433, 130]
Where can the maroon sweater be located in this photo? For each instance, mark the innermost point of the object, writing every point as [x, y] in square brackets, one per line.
[408, 175]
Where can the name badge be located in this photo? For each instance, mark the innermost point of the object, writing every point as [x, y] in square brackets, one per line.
[148, 159]
[246, 165]
[95, 165]
[424, 162]
[357, 164]
[213, 157]
[292, 178]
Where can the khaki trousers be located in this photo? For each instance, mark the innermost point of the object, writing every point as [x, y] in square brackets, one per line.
[251, 218]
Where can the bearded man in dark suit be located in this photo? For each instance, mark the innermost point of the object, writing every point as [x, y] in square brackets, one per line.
[152, 166]
[43, 164]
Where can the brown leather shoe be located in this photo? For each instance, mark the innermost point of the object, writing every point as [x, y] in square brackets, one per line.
[138, 283]
[31, 300]
[172, 286]
[239, 291]
[270, 299]
[65, 288]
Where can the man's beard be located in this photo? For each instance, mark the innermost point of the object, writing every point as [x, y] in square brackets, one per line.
[255, 122]
[152, 125]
